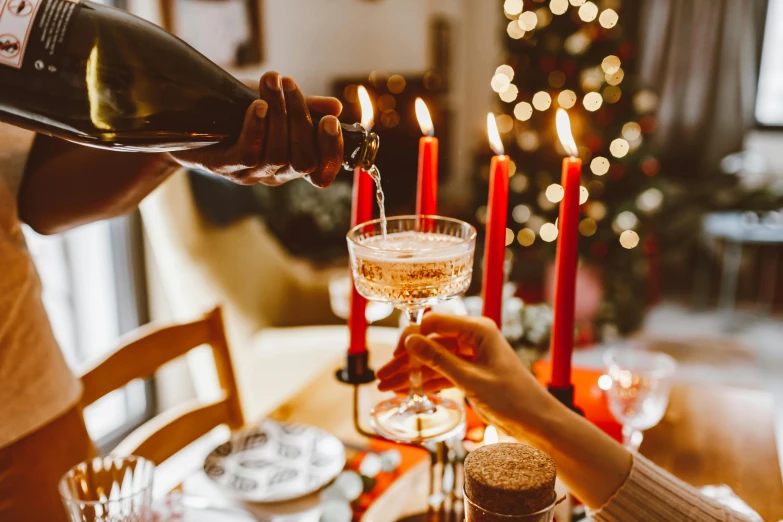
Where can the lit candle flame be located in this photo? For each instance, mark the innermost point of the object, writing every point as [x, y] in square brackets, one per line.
[490, 435]
[563, 124]
[494, 135]
[425, 120]
[368, 114]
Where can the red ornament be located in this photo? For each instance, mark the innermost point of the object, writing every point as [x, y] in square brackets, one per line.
[547, 63]
[598, 249]
[616, 171]
[648, 124]
[594, 143]
[651, 166]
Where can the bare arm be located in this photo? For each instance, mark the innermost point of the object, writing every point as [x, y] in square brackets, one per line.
[67, 185]
[472, 354]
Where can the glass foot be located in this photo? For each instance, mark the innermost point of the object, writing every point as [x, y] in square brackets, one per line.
[434, 420]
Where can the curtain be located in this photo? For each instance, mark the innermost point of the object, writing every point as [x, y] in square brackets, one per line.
[701, 57]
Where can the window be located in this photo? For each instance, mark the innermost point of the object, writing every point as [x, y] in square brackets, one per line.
[769, 102]
[88, 277]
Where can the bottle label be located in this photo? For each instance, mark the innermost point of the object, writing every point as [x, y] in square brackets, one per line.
[34, 29]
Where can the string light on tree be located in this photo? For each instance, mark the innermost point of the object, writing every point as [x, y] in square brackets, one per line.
[528, 20]
[588, 11]
[513, 7]
[629, 239]
[526, 237]
[592, 101]
[548, 232]
[619, 148]
[514, 31]
[542, 101]
[566, 99]
[555, 192]
[521, 213]
[510, 94]
[610, 64]
[599, 166]
[615, 78]
[650, 200]
[558, 7]
[523, 111]
[608, 18]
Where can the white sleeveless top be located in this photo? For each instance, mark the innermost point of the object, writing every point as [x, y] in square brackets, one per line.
[36, 385]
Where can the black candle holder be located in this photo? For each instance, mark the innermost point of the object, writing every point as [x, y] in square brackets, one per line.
[566, 396]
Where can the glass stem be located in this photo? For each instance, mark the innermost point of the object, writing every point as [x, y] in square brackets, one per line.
[415, 316]
[632, 438]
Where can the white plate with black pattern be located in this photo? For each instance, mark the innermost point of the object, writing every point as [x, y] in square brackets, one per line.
[276, 461]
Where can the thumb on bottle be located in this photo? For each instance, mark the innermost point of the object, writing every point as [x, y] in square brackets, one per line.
[437, 357]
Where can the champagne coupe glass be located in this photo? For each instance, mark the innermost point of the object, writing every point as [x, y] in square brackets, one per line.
[639, 395]
[420, 261]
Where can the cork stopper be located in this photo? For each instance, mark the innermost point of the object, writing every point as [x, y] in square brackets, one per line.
[510, 479]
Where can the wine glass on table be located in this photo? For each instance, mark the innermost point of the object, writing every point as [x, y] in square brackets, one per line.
[639, 396]
[420, 261]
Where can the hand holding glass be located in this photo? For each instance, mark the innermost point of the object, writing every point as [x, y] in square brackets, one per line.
[421, 261]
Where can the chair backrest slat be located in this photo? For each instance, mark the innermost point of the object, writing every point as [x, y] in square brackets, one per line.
[142, 353]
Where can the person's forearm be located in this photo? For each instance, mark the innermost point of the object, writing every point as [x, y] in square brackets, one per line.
[590, 463]
[67, 185]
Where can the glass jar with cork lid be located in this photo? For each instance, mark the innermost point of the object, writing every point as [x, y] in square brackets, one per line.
[509, 483]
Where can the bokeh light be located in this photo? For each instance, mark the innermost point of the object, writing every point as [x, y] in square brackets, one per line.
[505, 123]
[599, 166]
[558, 7]
[523, 111]
[521, 213]
[556, 79]
[577, 43]
[596, 210]
[481, 214]
[629, 239]
[542, 101]
[528, 20]
[386, 102]
[509, 236]
[513, 7]
[608, 18]
[548, 232]
[577, 3]
[616, 77]
[555, 192]
[631, 131]
[528, 141]
[626, 220]
[566, 99]
[587, 227]
[510, 94]
[544, 16]
[592, 101]
[500, 83]
[645, 101]
[505, 70]
[584, 194]
[396, 84]
[619, 148]
[526, 237]
[519, 184]
[588, 12]
[650, 200]
[592, 79]
[612, 94]
[514, 31]
[610, 64]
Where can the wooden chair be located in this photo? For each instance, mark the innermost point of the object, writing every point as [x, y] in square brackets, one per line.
[149, 348]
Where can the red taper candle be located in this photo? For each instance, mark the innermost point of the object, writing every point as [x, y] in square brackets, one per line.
[566, 259]
[361, 211]
[497, 213]
[427, 185]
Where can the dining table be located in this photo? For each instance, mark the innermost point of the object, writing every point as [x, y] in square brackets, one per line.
[710, 434]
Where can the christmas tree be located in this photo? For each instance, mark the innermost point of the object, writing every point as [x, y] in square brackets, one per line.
[580, 56]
